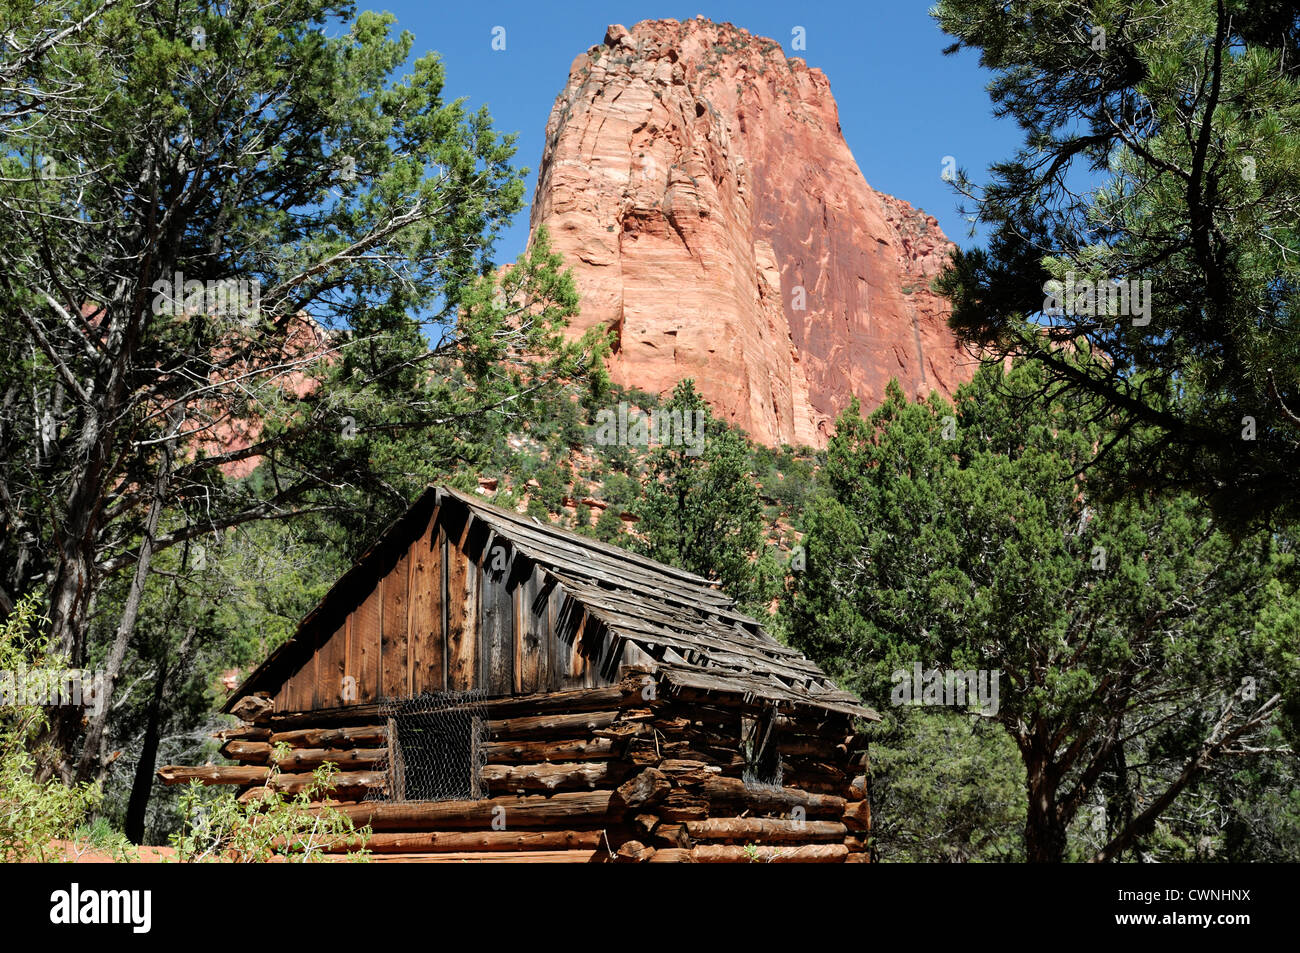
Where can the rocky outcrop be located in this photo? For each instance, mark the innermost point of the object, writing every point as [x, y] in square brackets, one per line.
[697, 181]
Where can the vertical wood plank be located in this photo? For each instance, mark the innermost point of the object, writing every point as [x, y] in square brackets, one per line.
[561, 641]
[517, 633]
[496, 622]
[331, 660]
[426, 613]
[291, 689]
[462, 616]
[408, 624]
[591, 652]
[482, 643]
[535, 642]
[311, 695]
[578, 658]
[482, 625]
[367, 685]
[299, 687]
[367, 646]
[396, 764]
[445, 560]
[350, 660]
[476, 786]
[393, 622]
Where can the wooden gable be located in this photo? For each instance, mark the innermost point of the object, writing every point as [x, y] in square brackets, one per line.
[443, 604]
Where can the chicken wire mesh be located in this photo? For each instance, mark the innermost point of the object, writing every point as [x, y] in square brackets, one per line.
[437, 747]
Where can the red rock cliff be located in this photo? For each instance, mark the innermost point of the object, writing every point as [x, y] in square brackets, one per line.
[698, 183]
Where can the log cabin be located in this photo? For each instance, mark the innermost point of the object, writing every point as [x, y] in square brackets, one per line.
[495, 688]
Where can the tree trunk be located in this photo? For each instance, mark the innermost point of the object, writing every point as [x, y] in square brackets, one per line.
[90, 761]
[142, 787]
[75, 581]
[57, 742]
[73, 584]
[1044, 832]
[1120, 798]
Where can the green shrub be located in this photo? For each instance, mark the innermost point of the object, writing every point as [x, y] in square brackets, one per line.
[218, 828]
[609, 526]
[32, 813]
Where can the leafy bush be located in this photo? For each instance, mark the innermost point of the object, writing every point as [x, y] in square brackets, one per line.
[609, 526]
[32, 812]
[620, 491]
[217, 827]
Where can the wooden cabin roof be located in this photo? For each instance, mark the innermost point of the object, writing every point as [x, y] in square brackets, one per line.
[678, 623]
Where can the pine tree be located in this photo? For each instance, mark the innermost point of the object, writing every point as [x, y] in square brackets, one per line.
[961, 538]
[701, 510]
[239, 215]
[1161, 161]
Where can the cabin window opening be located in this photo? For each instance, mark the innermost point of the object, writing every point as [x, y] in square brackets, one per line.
[760, 747]
[437, 747]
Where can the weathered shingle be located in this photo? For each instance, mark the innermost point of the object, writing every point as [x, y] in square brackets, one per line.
[693, 630]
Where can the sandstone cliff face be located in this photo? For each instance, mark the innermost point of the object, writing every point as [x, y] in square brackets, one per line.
[698, 183]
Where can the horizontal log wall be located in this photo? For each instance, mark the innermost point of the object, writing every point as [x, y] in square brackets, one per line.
[624, 773]
[695, 806]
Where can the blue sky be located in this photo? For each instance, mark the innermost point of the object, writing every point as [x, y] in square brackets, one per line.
[903, 105]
